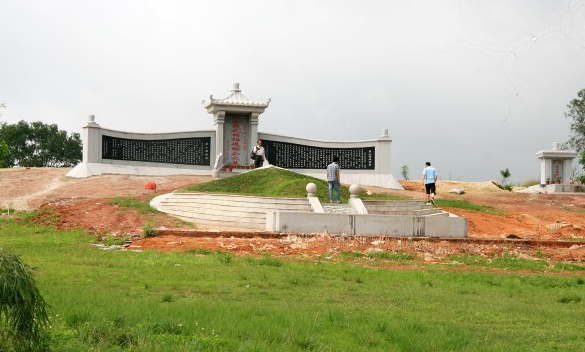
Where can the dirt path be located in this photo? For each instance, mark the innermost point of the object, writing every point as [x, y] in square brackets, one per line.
[84, 203]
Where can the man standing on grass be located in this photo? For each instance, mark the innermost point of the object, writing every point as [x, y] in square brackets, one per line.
[333, 178]
[429, 179]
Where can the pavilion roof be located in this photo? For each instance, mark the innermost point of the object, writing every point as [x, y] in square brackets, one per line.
[236, 98]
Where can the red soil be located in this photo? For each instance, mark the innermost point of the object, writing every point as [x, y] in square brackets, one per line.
[83, 204]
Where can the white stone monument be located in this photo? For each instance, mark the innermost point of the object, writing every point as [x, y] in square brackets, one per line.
[556, 165]
[236, 124]
[227, 148]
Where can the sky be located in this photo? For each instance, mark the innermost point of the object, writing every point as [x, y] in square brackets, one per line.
[472, 86]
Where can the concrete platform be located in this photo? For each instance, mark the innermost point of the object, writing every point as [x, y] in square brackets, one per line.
[368, 225]
[297, 215]
[225, 210]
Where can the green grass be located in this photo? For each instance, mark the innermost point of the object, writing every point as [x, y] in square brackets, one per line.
[575, 210]
[509, 262]
[276, 182]
[7, 211]
[504, 262]
[143, 206]
[463, 204]
[213, 301]
[529, 183]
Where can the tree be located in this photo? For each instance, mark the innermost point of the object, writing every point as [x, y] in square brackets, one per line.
[576, 112]
[404, 172]
[23, 311]
[37, 144]
[3, 146]
[505, 174]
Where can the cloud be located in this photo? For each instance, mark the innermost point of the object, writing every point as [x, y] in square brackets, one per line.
[476, 86]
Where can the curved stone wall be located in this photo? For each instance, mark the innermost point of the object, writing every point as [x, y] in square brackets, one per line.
[372, 168]
[119, 152]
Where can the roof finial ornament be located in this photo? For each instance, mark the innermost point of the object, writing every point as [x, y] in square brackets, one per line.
[235, 99]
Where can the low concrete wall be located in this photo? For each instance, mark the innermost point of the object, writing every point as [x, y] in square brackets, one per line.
[357, 206]
[134, 168]
[564, 188]
[367, 225]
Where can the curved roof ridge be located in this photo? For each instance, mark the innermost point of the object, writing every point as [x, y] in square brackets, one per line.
[236, 98]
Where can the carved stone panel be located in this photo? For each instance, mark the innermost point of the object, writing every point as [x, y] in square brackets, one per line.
[191, 151]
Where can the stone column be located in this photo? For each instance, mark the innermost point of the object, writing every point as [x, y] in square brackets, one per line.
[383, 153]
[543, 170]
[91, 141]
[568, 171]
[253, 133]
[218, 121]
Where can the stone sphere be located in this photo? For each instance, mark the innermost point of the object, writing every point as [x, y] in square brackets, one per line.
[311, 189]
[354, 190]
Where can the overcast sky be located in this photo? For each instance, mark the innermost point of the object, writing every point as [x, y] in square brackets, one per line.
[472, 86]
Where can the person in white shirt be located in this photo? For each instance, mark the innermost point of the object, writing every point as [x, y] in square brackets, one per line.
[260, 154]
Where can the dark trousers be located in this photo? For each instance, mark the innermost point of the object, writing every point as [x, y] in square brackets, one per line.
[258, 161]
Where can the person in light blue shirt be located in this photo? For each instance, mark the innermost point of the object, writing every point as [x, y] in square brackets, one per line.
[429, 179]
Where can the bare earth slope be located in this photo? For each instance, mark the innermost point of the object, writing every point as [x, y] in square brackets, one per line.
[83, 203]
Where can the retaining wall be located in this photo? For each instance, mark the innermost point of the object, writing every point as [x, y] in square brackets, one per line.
[368, 225]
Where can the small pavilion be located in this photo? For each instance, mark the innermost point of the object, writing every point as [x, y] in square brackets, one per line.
[235, 118]
[556, 165]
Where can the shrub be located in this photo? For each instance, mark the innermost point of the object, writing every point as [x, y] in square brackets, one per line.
[148, 230]
[23, 311]
[404, 172]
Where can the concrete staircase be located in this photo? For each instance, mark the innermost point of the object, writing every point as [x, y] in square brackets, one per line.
[333, 208]
[403, 207]
[224, 210]
[295, 215]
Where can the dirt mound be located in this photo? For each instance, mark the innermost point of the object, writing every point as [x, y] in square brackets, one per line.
[29, 188]
[446, 186]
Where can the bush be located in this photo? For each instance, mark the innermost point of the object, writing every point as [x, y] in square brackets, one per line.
[23, 311]
[148, 230]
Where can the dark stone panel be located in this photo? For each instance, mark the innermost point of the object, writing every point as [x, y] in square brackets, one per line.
[298, 156]
[190, 151]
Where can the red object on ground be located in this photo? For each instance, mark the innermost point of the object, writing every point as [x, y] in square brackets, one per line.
[150, 185]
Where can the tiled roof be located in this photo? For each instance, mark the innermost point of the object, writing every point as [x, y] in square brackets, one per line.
[236, 98]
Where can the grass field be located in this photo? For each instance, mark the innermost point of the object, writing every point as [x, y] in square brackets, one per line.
[275, 182]
[213, 301]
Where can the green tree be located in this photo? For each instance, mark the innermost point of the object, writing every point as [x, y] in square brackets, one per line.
[23, 311]
[505, 174]
[3, 146]
[37, 144]
[404, 172]
[576, 112]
